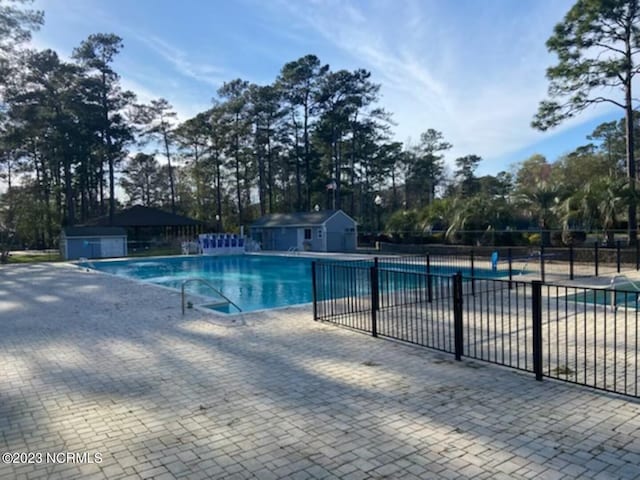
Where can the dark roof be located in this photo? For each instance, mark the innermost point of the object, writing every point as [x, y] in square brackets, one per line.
[139, 216]
[94, 231]
[294, 219]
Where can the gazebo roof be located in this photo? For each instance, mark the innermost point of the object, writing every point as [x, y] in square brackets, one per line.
[140, 216]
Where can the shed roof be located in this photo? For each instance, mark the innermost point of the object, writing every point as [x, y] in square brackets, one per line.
[93, 231]
[295, 219]
[140, 216]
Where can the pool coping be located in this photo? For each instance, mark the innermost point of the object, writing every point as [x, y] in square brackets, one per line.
[200, 306]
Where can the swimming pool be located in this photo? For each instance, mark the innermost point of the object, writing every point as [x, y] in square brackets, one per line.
[253, 282]
[624, 295]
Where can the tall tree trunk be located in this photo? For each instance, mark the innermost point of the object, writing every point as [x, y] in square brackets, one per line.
[58, 189]
[338, 191]
[394, 188]
[101, 188]
[196, 170]
[631, 167]
[236, 148]
[70, 214]
[270, 185]
[109, 146]
[631, 161]
[298, 172]
[353, 166]
[307, 152]
[112, 185]
[165, 137]
[261, 173]
[83, 187]
[218, 191]
[46, 196]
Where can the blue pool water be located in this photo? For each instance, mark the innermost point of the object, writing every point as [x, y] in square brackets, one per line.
[253, 282]
[624, 295]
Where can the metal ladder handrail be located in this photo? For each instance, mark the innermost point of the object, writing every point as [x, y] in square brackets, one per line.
[202, 280]
[86, 261]
[612, 286]
[626, 279]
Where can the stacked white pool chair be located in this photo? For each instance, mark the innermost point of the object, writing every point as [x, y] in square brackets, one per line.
[220, 244]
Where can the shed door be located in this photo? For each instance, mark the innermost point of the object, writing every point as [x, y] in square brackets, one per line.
[111, 247]
[305, 236]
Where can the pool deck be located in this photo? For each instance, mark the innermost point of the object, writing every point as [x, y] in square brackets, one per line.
[93, 363]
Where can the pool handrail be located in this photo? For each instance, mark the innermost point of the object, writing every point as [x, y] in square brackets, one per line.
[612, 286]
[626, 279]
[202, 280]
[86, 261]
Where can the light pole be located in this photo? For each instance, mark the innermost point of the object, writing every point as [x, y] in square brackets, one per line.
[378, 203]
[218, 223]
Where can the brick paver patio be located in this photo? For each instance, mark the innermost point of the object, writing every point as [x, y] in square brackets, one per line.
[91, 363]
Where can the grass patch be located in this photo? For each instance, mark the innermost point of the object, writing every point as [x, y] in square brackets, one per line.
[54, 256]
[35, 258]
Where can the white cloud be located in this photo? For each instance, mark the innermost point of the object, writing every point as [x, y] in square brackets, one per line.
[476, 76]
[479, 86]
[210, 74]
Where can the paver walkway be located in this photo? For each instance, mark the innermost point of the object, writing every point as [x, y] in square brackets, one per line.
[91, 363]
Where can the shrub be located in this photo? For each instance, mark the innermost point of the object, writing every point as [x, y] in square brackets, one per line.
[575, 238]
[534, 238]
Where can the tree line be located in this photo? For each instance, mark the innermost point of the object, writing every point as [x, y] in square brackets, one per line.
[74, 145]
[585, 190]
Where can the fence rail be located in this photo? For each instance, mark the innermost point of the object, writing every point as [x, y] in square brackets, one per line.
[545, 263]
[587, 336]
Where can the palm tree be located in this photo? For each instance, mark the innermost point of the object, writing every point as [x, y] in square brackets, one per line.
[480, 212]
[614, 196]
[542, 200]
[600, 203]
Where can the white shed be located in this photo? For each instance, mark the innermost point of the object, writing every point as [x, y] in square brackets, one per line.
[93, 242]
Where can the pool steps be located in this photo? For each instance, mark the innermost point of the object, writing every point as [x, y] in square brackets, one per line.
[203, 281]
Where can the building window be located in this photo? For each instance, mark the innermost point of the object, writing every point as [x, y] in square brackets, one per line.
[320, 234]
[307, 234]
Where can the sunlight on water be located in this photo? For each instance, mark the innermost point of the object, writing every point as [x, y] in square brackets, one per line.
[253, 282]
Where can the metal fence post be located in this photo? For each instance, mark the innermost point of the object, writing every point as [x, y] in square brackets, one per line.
[571, 262]
[314, 293]
[510, 255]
[374, 300]
[536, 310]
[637, 255]
[473, 275]
[542, 263]
[595, 250]
[618, 255]
[458, 339]
[429, 280]
[376, 304]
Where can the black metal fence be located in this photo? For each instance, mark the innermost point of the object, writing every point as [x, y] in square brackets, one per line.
[548, 264]
[587, 336]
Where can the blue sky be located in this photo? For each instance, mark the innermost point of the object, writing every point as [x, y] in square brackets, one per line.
[473, 69]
